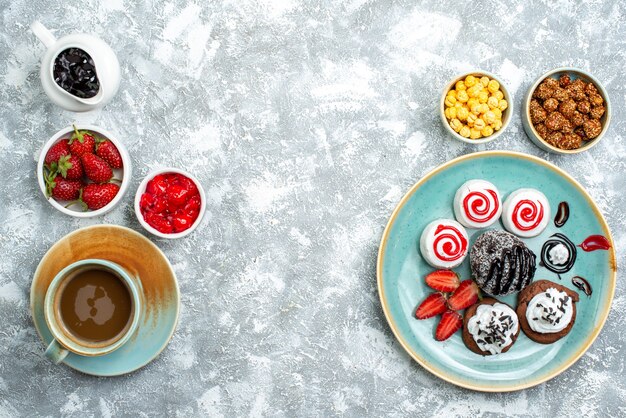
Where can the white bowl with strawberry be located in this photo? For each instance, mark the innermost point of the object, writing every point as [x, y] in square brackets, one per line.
[83, 171]
[170, 203]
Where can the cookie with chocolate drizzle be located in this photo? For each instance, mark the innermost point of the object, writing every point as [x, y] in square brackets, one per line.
[501, 263]
[555, 313]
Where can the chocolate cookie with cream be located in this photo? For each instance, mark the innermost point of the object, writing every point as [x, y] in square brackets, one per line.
[490, 327]
[546, 311]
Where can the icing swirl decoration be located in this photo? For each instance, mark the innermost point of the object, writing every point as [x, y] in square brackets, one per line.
[444, 243]
[526, 212]
[477, 204]
[558, 254]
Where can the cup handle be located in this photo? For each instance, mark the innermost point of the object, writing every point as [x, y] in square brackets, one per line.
[44, 35]
[56, 352]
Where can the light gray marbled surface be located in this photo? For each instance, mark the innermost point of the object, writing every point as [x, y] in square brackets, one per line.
[306, 121]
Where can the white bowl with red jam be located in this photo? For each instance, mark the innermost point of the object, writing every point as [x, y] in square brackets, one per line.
[170, 203]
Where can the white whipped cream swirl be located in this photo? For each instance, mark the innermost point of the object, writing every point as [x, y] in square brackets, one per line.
[493, 327]
[550, 311]
[559, 255]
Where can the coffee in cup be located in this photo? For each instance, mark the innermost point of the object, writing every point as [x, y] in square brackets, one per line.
[92, 308]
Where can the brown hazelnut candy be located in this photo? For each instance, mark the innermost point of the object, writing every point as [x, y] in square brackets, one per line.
[584, 106]
[555, 121]
[581, 133]
[592, 128]
[560, 94]
[576, 90]
[597, 112]
[567, 108]
[551, 83]
[570, 141]
[551, 104]
[564, 80]
[543, 91]
[577, 118]
[590, 89]
[596, 99]
[554, 138]
[541, 130]
[537, 113]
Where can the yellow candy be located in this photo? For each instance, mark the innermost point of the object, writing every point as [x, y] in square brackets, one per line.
[459, 86]
[476, 109]
[452, 93]
[493, 86]
[497, 125]
[475, 134]
[470, 81]
[487, 130]
[472, 102]
[502, 104]
[489, 117]
[484, 81]
[479, 124]
[471, 118]
[462, 113]
[483, 96]
[451, 112]
[456, 125]
[499, 95]
[493, 102]
[465, 132]
[450, 101]
[474, 91]
[458, 105]
[484, 108]
[497, 112]
[462, 96]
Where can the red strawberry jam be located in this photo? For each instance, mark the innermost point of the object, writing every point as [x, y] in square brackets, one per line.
[171, 203]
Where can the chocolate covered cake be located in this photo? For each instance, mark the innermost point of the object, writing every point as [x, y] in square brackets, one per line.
[501, 263]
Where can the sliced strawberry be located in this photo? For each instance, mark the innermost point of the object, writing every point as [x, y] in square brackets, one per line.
[464, 296]
[450, 323]
[443, 280]
[433, 305]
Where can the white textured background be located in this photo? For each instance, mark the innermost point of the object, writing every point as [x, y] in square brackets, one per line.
[306, 121]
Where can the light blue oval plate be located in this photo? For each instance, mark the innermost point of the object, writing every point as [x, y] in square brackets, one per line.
[141, 258]
[401, 272]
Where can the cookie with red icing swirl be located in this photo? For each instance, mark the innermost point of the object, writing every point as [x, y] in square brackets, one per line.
[477, 204]
[526, 213]
[444, 243]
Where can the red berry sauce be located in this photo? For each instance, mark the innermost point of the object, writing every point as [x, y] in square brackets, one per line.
[171, 203]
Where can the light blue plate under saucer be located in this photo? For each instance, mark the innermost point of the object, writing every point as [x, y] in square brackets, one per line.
[140, 257]
[401, 271]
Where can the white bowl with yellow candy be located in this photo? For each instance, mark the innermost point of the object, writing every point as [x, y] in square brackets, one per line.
[476, 107]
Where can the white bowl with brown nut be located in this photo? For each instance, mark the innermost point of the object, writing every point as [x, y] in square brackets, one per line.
[566, 111]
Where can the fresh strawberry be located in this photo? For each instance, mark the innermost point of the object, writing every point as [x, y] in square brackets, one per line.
[96, 196]
[106, 150]
[96, 169]
[70, 167]
[443, 280]
[62, 189]
[450, 323]
[57, 151]
[433, 305]
[159, 222]
[464, 296]
[82, 142]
